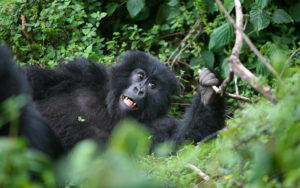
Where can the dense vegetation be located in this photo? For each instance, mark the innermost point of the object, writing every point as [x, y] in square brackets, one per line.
[259, 148]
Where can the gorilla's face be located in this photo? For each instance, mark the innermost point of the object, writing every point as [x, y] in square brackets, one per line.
[141, 85]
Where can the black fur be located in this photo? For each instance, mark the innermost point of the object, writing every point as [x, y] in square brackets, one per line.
[31, 125]
[82, 99]
[92, 92]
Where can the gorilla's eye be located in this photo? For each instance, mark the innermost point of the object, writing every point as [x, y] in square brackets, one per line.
[141, 75]
[152, 85]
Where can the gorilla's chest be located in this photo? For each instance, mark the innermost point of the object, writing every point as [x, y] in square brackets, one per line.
[78, 115]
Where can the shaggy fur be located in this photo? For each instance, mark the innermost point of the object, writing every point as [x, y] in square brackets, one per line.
[92, 92]
[31, 125]
[81, 100]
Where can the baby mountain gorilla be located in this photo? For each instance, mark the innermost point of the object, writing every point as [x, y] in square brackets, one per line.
[83, 99]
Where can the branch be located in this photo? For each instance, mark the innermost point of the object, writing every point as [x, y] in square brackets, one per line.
[238, 97]
[234, 61]
[226, 82]
[212, 135]
[238, 27]
[24, 27]
[293, 54]
[200, 173]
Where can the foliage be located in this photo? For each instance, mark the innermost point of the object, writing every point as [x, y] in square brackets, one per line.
[261, 145]
[21, 167]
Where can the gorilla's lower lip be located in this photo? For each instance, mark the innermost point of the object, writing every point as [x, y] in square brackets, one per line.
[129, 102]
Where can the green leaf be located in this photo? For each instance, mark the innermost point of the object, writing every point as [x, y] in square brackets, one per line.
[261, 69]
[210, 6]
[262, 3]
[111, 7]
[294, 12]
[221, 36]
[80, 119]
[280, 16]
[173, 2]
[135, 6]
[259, 18]
[129, 138]
[225, 67]
[209, 58]
[229, 5]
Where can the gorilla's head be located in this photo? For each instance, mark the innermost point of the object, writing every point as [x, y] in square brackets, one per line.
[140, 87]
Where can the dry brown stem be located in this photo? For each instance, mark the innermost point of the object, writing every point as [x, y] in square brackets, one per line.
[24, 27]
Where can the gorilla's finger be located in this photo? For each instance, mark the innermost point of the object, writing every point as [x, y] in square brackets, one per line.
[203, 75]
[210, 76]
[211, 82]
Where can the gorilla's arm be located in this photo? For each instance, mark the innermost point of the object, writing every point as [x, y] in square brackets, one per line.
[200, 121]
[206, 114]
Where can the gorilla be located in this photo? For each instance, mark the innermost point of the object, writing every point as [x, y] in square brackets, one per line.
[30, 123]
[83, 99]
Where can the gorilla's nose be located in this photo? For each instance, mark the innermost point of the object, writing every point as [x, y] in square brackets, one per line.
[140, 91]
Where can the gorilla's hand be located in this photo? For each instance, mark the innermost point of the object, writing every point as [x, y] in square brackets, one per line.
[207, 79]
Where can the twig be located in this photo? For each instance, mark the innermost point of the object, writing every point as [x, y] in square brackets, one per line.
[290, 58]
[293, 54]
[238, 97]
[238, 27]
[246, 22]
[24, 27]
[237, 92]
[184, 63]
[195, 26]
[171, 35]
[180, 104]
[212, 135]
[200, 172]
[226, 82]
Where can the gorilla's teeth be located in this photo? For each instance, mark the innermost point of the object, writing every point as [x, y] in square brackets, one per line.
[129, 102]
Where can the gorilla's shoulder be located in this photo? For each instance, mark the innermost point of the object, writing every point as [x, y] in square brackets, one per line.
[83, 70]
[66, 77]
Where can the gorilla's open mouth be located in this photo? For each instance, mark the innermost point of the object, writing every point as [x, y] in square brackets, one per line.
[129, 102]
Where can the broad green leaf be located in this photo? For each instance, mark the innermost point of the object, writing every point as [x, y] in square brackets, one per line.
[210, 6]
[229, 5]
[111, 7]
[173, 2]
[261, 69]
[259, 18]
[280, 16]
[294, 12]
[130, 138]
[209, 58]
[221, 36]
[262, 3]
[225, 67]
[135, 6]
[170, 12]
